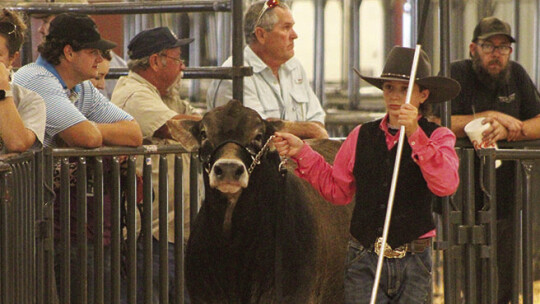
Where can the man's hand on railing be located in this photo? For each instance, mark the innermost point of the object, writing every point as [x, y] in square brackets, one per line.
[512, 125]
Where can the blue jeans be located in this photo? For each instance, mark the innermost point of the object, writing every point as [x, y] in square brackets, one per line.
[406, 280]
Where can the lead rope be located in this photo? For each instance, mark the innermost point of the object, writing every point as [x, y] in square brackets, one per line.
[257, 158]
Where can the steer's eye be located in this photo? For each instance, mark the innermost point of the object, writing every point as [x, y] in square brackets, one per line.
[258, 139]
[202, 135]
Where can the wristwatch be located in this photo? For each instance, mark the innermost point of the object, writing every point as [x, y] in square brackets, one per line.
[5, 93]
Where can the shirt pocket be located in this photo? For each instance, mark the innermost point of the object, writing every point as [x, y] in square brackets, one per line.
[269, 102]
[299, 95]
[299, 105]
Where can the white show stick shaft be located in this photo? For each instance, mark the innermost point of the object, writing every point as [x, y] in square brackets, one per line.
[394, 181]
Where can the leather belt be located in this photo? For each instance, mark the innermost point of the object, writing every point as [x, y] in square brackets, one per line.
[416, 246]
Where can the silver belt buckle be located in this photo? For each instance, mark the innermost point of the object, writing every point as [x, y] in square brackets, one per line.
[390, 253]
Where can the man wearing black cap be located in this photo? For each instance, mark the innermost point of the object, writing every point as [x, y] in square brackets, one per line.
[78, 115]
[150, 94]
[494, 87]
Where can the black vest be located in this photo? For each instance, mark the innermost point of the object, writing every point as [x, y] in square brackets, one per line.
[373, 170]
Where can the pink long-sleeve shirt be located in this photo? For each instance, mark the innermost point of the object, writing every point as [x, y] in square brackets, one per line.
[435, 155]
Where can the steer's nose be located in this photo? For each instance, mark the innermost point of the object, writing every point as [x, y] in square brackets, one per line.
[229, 171]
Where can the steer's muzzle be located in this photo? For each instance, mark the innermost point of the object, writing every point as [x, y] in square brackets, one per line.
[228, 175]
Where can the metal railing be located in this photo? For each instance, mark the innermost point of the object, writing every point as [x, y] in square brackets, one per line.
[19, 218]
[86, 231]
[470, 237]
[28, 238]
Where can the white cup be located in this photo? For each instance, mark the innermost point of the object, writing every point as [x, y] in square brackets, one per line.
[474, 130]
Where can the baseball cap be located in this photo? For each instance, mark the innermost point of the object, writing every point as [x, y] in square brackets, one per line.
[78, 28]
[491, 26]
[153, 41]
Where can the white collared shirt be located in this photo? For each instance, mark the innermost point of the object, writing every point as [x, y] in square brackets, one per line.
[291, 98]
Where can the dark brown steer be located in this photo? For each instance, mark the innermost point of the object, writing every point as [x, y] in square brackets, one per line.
[261, 235]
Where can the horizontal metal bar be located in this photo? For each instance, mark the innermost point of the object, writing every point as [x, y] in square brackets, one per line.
[114, 151]
[197, 72]
[466, 143]
[153, 7]
[511, 154]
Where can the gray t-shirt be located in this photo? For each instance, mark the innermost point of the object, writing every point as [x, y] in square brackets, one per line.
[31, 108]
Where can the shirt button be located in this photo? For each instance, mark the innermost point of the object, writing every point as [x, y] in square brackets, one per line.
[303, 172]
[395, 142]
[412, 143]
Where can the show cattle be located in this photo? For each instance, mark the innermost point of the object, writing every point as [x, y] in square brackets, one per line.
[261, 235]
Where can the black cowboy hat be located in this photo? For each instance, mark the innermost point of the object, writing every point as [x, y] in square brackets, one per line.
[398, 68]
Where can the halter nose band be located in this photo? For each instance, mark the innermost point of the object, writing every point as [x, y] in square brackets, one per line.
[255, 157]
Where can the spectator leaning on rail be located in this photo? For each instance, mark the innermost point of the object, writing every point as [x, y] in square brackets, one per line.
[364, 166]
[78, 115]
[22, 112]
[279, 87]
[150, 93]
[494, 87]
[114, 61]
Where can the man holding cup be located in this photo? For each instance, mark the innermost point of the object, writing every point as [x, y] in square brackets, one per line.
[500, 93]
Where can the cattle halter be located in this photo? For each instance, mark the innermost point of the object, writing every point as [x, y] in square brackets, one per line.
[255, 157]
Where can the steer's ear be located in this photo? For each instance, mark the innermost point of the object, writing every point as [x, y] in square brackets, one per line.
[183, 131]
[273, 125]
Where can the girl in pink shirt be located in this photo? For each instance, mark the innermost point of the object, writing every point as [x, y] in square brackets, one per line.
[363, 169]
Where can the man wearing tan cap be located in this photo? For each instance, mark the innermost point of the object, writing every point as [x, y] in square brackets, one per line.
[494, 87]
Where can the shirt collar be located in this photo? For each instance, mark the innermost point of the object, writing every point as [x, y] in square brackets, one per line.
[142, 80]
[49, 67]
[258, 65]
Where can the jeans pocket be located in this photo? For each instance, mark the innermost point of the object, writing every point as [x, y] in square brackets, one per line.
[423, 261]
[355, 253]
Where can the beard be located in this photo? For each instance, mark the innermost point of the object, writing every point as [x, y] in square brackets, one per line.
[174, 89]
[490, 80]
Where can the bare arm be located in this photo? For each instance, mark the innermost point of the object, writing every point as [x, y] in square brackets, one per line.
[121, 133]
[16, 136]
[163, 131]
[84, 134]
[305, 129]
[531, 129]
[512, 126]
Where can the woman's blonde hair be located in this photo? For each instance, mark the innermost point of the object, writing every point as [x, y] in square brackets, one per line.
[14, 39]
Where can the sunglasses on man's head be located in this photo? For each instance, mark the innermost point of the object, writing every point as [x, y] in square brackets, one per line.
[267, 5]
[7, 28]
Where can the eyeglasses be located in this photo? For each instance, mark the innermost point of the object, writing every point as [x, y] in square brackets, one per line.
[489, 48]
[7, 28]
[267, 5]
[179, 60]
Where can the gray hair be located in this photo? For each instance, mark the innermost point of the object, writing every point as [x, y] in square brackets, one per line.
[267, 22]
[142, 64]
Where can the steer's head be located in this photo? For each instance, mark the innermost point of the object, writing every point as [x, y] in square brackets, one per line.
[227, 138]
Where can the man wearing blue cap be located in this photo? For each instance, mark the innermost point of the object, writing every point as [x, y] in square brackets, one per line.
[150, 93]
[78, 115]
